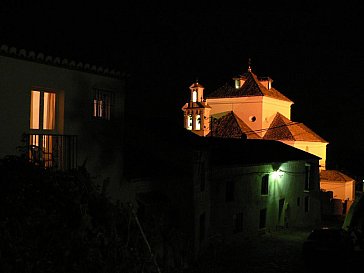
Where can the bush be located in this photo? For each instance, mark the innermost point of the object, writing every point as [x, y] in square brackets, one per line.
[60, 222]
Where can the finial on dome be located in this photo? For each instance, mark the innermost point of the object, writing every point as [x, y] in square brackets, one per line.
[249, 63]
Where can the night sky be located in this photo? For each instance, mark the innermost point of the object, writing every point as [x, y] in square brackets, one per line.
[313, 52]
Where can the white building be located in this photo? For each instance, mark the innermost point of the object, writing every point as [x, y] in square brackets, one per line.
[62, 113]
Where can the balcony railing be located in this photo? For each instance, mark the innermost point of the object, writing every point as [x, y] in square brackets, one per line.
[52, 151]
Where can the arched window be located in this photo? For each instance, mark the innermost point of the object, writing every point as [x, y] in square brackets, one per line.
[198, 122]
[194, 96]
[189, 122]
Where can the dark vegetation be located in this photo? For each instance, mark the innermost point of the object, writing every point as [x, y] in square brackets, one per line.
[61, 222]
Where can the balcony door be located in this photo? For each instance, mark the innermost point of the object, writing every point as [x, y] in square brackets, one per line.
[42, 125]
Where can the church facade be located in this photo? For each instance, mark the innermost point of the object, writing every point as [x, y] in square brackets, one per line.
[251, 108]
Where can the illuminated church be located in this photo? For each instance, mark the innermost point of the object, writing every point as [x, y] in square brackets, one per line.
[251, 108]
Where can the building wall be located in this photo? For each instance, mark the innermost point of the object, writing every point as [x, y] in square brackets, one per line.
[244, 107]
[270, 107]
[249, 201]
[99, 141]
[342, 190]
[316, 148]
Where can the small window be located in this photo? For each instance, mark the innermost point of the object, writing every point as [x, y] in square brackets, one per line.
[198, 122]
[252, 118]
[309, 177]
[307, 203]
[262, 218]
[238, 222]
[189, 122]
[265, 185]
[229, 193]
[194, 96]
[102, 104]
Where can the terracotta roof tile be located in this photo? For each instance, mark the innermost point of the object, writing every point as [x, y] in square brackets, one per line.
[282, 128]
[334, 175]
[228, 125]
[251, 87]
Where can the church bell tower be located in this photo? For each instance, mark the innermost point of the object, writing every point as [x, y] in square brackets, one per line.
[197, 111]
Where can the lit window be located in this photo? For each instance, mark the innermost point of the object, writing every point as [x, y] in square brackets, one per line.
[42, 110]
[198, 122]
[102, 104]
[265, 185]
[41, 150]
[194, 96]
[189, 122]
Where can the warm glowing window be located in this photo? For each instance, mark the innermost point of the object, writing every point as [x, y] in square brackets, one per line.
[102, 104]
[198, 122]
[41, 149]
[189, 122]
[34, 109]
[264, 185]
[42, 110]
[194, 96]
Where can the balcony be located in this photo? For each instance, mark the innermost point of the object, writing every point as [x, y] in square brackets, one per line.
[58, 152]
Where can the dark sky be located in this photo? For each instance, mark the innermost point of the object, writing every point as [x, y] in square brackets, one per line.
[313, 52]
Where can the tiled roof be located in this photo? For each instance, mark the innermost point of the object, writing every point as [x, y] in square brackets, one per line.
[334, 175]
[282, 128]
[228, 125]
[40, 57]
[251, 87]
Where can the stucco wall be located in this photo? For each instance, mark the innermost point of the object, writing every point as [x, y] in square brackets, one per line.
[99, 141]
[249, 201]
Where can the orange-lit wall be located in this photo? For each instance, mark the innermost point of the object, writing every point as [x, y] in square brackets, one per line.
[316, 148]
[341, 190]
[260, 107]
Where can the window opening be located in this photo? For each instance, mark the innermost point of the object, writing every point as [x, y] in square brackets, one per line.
[102, 104]
[265, 185]
[198, 122]
[194, 96]
[42, 110]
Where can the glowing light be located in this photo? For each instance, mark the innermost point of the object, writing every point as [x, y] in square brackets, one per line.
[189, 122]
[194, 96]
[277, 174]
